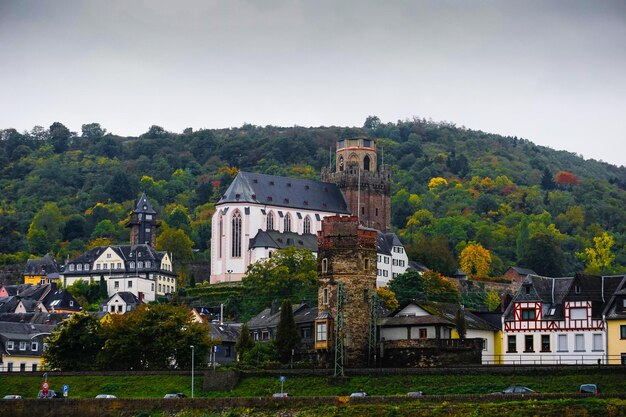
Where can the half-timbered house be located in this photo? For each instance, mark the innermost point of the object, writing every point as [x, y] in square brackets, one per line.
[558, 320]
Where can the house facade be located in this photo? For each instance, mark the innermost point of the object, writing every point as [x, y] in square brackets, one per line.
[44, 270]
[429, 320]
[120, 303]
[22, 346]
[615, 317]
[261, 213]
[137, 268]
[558, 321]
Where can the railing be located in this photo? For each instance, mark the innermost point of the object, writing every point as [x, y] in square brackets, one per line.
[557, 359]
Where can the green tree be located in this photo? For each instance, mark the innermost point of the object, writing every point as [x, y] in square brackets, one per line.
[287, 336]
[434, 252]
[178, 243]
[492, 300]
[289, 274]
[75, 344]
[244, 342]
[544, 254]
[408, 286]
[59, 137]
[153, 337]
[93, 131]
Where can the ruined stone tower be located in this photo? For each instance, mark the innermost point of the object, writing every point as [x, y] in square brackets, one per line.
[365, 184]
[346, 255]
[143, 223]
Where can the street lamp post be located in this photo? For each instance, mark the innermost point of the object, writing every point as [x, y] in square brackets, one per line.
[192, 369]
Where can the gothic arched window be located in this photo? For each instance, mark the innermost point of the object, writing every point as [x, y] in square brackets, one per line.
[307, 224]
[220, 236]
[236, 235]
[366, 163]
[287, 227]
[270, 221]
[341, 163]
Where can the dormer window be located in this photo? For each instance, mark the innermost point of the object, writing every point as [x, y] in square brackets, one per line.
[577, 289]
[145, 207]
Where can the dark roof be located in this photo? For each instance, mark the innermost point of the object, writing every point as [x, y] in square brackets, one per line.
[52, 318]
[414, 320]
[37, 292]
[554, 292]
[418, 266]
[8, 304]
[302, 313]
[280, 240]
[386, 241]
[23, 331]
[226, 332]
[129, 253]
[61, 300]
[15, 289]
[440, 313]
[42, 266]
[285, 192]
[126, 296]
[144, 206]
[613, 309]
[523, 271]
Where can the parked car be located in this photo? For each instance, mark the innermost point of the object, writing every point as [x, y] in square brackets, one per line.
[174, 395]
[51, 394]
[281, 395]
[415, 393]
[359, 394]
[516, 389]
[12, 397]
[588, 389]
[105, 396]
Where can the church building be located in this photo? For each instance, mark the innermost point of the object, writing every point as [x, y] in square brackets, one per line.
[261, 213]
[137, 268]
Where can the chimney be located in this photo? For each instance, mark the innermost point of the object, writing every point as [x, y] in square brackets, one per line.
[275, 307]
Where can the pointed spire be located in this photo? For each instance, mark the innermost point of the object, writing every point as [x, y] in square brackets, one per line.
[143, 205]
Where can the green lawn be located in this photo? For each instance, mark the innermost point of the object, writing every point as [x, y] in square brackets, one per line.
[154, 386]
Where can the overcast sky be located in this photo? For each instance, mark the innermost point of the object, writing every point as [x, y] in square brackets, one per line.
[553, 72]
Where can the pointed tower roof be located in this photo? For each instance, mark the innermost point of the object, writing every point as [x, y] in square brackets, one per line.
[144, 206]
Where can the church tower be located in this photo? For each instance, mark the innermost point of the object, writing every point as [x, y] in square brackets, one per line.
[143, 223]
[346, 270]
[365, 184]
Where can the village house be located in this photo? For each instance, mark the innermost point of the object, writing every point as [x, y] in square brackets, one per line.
[22, 346]
[558, 320]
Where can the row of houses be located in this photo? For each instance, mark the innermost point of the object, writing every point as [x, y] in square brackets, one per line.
[572, 320]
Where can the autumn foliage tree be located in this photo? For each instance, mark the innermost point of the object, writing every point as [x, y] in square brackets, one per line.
[475, 260]
[387, 297]
[599, 258]
[567, 178]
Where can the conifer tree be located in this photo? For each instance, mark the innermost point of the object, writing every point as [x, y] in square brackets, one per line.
[460, 323]
[287, 337]
[244, 342]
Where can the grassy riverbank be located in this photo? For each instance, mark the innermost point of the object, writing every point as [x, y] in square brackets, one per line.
[263, 385]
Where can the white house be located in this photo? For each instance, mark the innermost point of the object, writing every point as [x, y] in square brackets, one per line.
[558, 321]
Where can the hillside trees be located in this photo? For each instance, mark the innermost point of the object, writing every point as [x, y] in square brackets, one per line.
[492, 182]
[427, 286]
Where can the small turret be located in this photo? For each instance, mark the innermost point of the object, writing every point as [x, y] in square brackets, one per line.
[143, 223]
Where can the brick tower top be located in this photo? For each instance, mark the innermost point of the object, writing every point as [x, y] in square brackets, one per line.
[365, 184]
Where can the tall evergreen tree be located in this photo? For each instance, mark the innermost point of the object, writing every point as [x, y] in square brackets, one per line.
[460, 323]
[287, 337]
[102, 288]
[244, 342]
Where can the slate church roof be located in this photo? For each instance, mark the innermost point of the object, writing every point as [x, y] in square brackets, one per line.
[280, 240]
[248, 187]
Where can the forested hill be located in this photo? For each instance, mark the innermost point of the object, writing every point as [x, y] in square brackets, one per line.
[527, 205]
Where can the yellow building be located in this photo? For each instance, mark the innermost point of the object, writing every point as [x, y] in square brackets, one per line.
[21, 346]
[615, 319]
[43, 270]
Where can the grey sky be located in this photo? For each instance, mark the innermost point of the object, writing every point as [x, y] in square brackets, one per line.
[553, 72]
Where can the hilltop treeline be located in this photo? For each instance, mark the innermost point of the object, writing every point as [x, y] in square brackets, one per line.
[458, 194]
